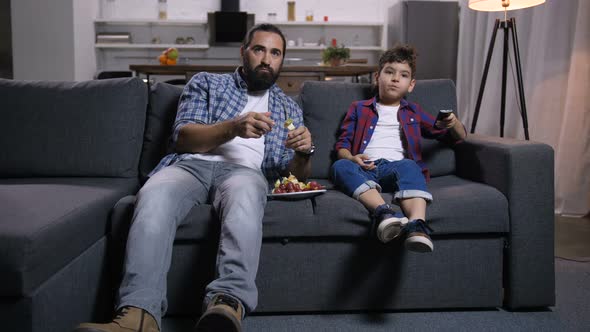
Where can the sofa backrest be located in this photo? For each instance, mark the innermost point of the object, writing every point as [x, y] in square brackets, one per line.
[92, 128]
[325, 104]
[161, 113]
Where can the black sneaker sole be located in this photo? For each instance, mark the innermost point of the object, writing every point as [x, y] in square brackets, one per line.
[214, 321]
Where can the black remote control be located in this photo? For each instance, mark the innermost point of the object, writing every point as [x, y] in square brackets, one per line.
[443, 114]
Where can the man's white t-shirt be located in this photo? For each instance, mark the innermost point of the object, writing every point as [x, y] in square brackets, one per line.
[386, 140]
[248, 152]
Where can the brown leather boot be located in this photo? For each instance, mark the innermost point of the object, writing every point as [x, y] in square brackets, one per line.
[128, 319]
[224, 313]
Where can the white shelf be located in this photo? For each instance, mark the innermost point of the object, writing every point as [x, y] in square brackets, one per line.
[206, 46]
[319, 48]
[114, 55]
[152, 46]
[320, 23]
[204, 22]
[173, 22]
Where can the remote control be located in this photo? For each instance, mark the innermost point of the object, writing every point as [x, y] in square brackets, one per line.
[443, 114]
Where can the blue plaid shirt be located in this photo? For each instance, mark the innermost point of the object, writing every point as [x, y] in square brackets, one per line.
[211, 98]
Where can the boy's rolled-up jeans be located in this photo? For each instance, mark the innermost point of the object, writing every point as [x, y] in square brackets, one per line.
[238, 195]
[403, 177]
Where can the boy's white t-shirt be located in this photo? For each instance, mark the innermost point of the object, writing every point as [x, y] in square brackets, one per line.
[248, 152]
[386, 141]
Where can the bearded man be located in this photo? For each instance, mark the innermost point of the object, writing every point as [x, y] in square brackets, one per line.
[228, 138]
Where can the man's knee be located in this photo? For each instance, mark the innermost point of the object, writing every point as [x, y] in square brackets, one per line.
[157, 193]
[245, 186]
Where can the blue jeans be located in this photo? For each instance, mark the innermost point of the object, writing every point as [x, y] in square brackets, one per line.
[404, 178]
[238, 195]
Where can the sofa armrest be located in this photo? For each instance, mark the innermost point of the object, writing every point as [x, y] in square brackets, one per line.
[523, 172]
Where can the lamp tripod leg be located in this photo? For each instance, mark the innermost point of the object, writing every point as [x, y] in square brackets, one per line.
[525, 123]
[504, 76]
[484, 76]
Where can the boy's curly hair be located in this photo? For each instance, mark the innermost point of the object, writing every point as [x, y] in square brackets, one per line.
[400, 53]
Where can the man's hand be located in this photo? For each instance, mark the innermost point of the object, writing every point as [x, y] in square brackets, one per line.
[299, 139]
[363, 161]
[252, 125]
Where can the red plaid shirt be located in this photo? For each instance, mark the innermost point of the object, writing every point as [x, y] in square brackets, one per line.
[360, 121]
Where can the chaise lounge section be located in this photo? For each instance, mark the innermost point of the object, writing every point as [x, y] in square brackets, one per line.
[68, 153]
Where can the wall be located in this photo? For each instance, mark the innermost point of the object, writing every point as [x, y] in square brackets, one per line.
[85, 58]
[42, 40]
[59, 45]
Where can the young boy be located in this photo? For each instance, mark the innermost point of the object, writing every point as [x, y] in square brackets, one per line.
[379, 149]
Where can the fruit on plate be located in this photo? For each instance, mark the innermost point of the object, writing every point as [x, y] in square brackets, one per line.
[169, 56]
[289, 124]
[292, 185]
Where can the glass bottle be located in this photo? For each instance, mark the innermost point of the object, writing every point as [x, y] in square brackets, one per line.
[290, 10]
[162, 10]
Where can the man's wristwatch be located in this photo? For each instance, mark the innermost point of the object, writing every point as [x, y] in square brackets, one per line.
[308, 153]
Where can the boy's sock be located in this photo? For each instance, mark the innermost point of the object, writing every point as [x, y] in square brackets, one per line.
[418, 236]
[388, 223]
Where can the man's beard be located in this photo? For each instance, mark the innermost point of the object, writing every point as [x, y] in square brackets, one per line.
[257, 78]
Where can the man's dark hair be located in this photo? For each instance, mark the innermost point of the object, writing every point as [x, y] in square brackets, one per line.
[400, 53]
[264, 27]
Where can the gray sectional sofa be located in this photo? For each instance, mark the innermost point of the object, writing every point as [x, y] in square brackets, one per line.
[72, 155]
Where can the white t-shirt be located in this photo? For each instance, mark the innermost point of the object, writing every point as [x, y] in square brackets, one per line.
[386, 141]
[248, 152]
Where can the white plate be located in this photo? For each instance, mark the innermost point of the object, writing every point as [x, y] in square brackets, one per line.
[298, 195]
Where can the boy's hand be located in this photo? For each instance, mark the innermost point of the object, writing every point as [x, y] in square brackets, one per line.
[363, 161]
[447, 122]
[253, 125]
[299, 139]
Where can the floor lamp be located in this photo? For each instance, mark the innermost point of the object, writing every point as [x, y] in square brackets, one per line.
[509, 27]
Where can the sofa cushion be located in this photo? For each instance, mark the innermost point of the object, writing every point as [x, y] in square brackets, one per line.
[200, 221]
[158, 127]
[47, 222]
[325, 104]
[432, 96]
[464, 207]
[459, 207]
[92, 128]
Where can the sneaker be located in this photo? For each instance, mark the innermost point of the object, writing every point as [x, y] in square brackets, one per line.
[128, 319]
[418, 236]
[224, 313]
[389, 223]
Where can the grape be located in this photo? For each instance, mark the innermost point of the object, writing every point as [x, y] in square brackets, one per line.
[290, 187]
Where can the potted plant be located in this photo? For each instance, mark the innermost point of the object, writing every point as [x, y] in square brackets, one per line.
[335, 55]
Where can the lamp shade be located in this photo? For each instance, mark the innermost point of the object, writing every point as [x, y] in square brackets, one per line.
[501, 5]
